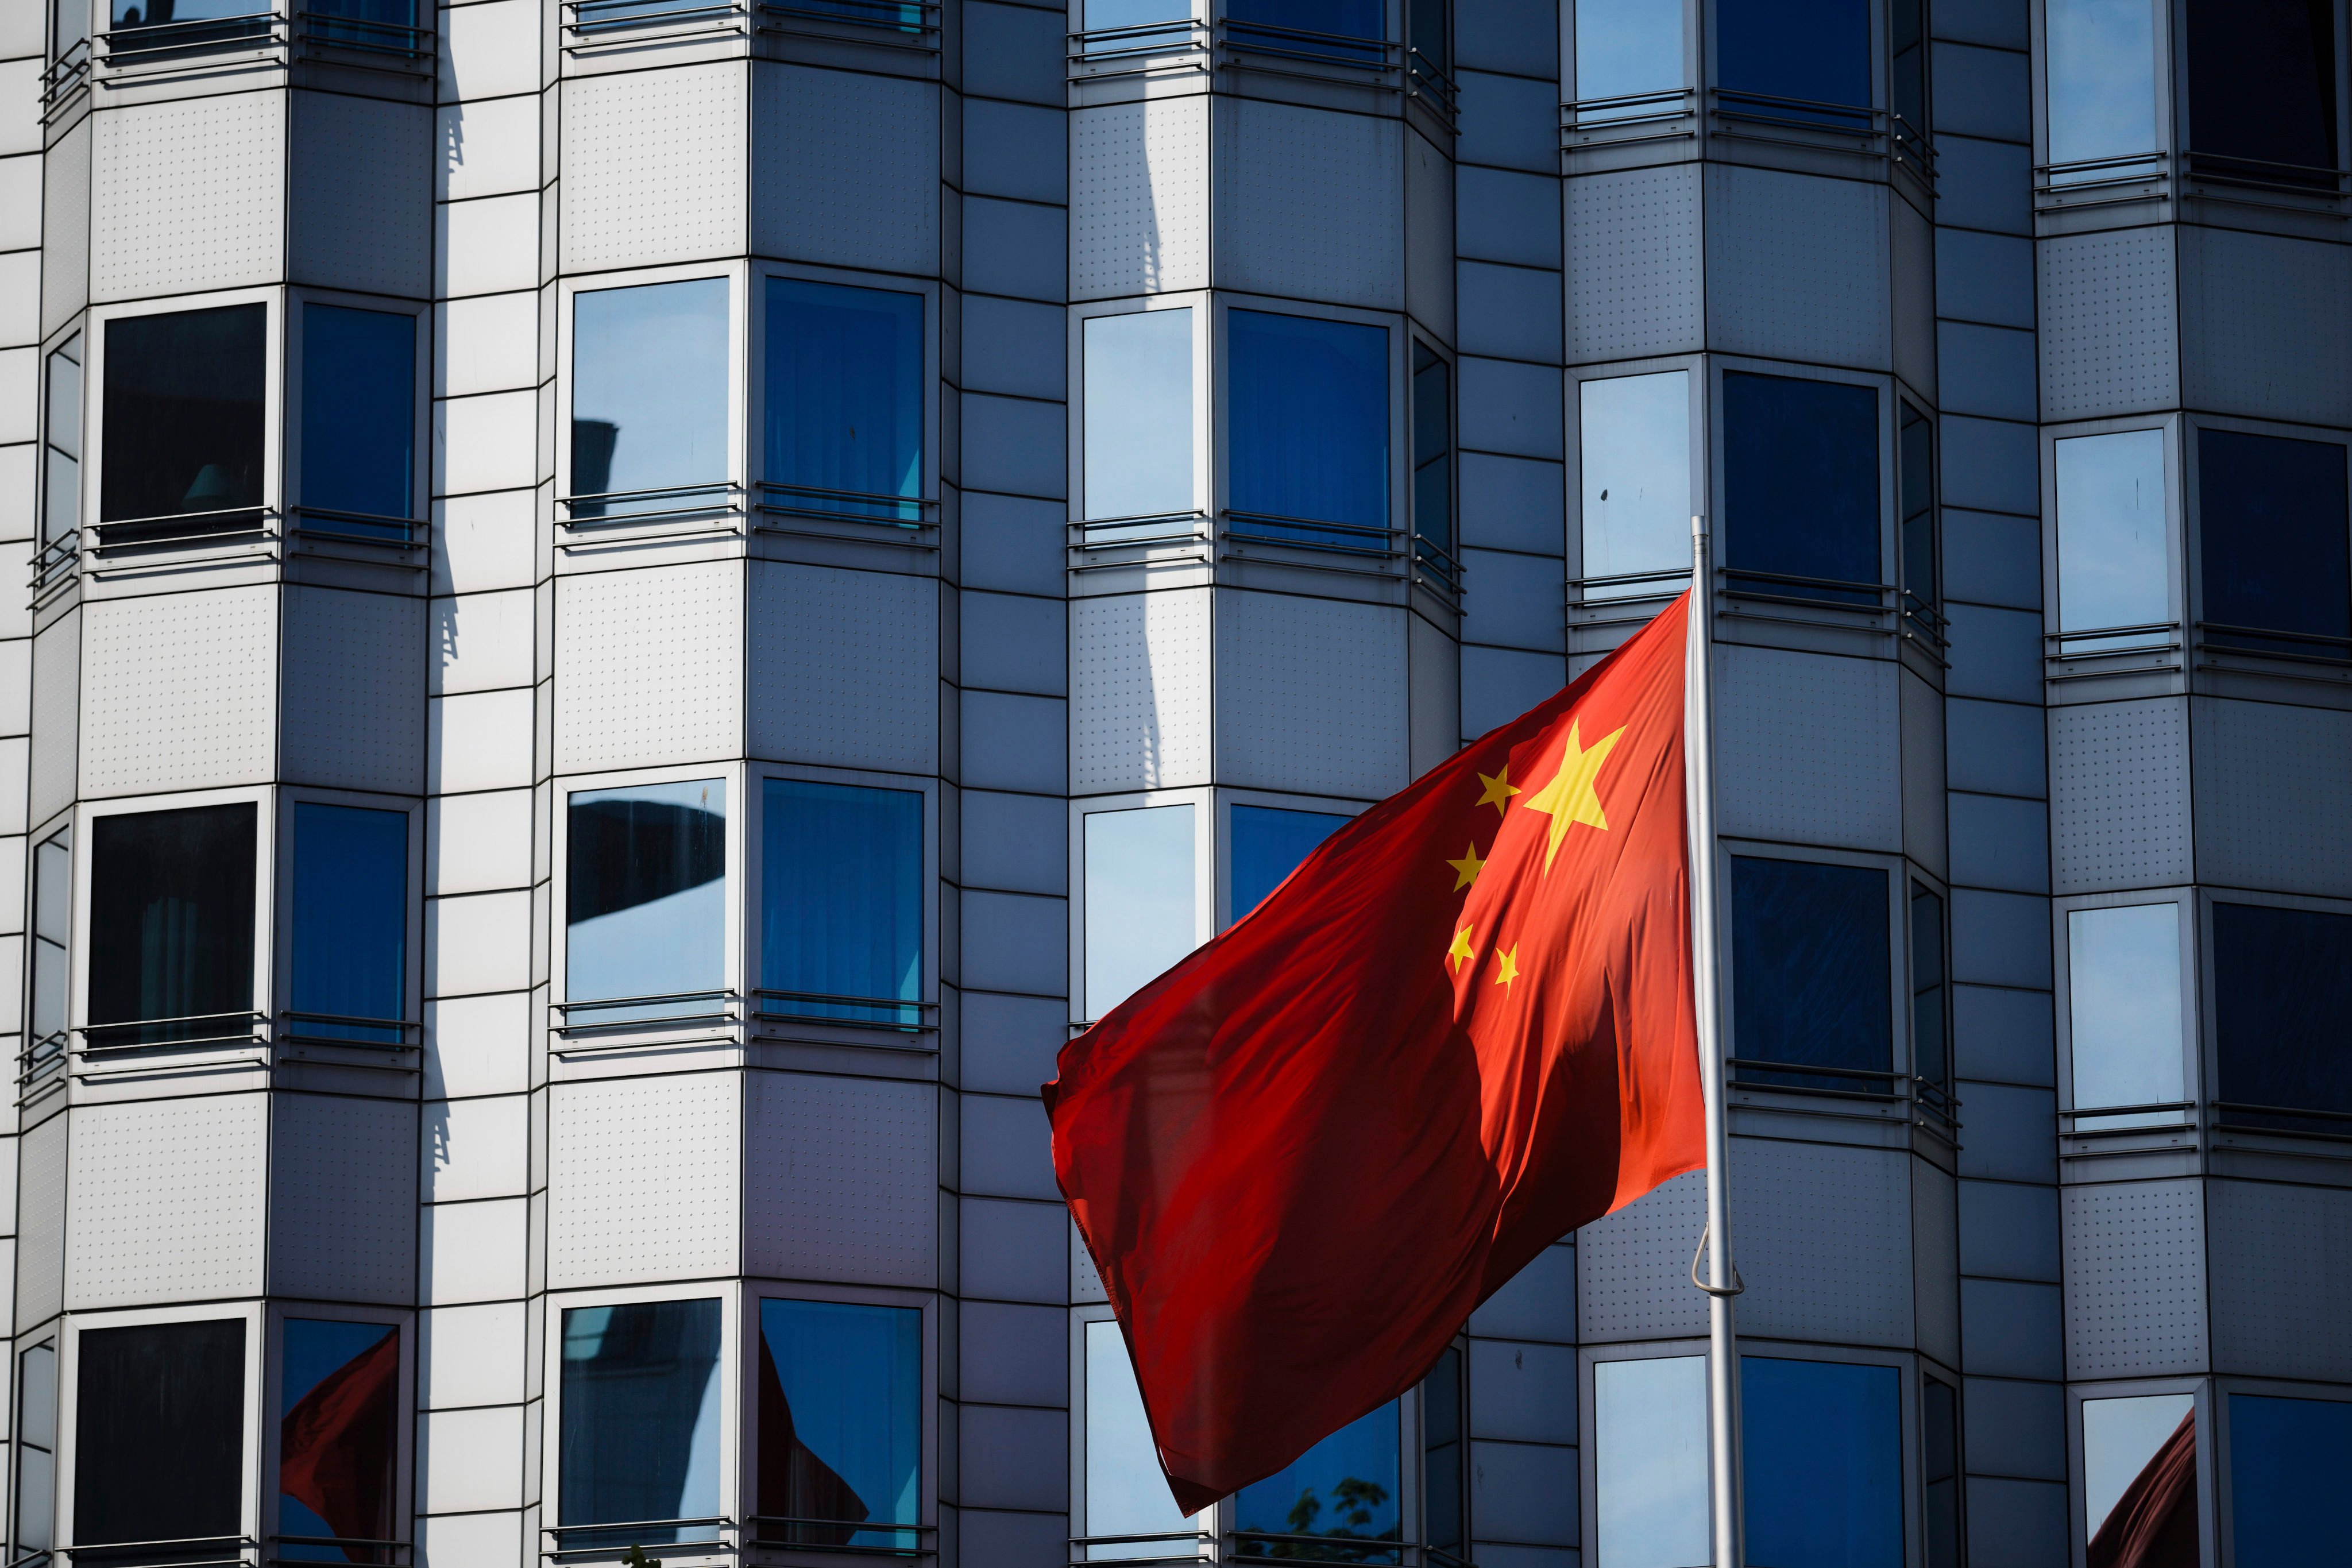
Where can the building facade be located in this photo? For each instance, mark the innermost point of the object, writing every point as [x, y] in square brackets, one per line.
[633, 610]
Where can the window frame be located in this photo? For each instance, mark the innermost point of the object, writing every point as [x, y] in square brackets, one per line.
[2206, 993]
[1900, 874]
[43, 835]
[1206, 883]
[1587, 1416]
[2202, 654]
[402, 1321]
[2167, 652]
[2078, 1476]
[1700, 386]
[1915, 875]
[1201, 518]
[55, 559]
[12, 1383]
[2168, 89]
[1880, 47]
[1698, 56]
[1445, 570]
[2191, 925]
[1222, 914]
[422, 367]
[2223, 1526]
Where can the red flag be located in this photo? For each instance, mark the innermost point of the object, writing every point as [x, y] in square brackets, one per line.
[2154, 1524]
[1462, 1028]
[334, 1447]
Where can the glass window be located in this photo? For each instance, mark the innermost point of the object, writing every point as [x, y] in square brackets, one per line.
[649, 411]
[1308, 430]
[185, 415]
[1822, 1442]
[1906, 21]
[359, 419]
[2139, 1477]
[61, 467]
[37, 1449]
[1635, 447]
[1799, 58]
[1139, 413]
[1801, 486]
[159, 1435]
[1931, 1057]
[349, 941]
[843, 401]
[1429, 35]
[645, 901]
[1650, 1464]
[2288, 1461]
[1126, 1493]
[640, 1425]
[1326, 29]
[52, 929]
[1110, 16]
[1626, 49]
[339, 1434]
[360, 23]
[171, 925]
[2283, 1014]
[1808, 965]
[71, 28]
[2271, 524]
[152, 13]
[2262, 89]
[2102, 80]
[841, 902]
[1443, 1452]
[1940, 1417]
[1432, 449]
[1269, 845]
[1344, 1488]
[1140, 914]
[2111, 562]
[2123, 986]
[841, 1423]
[1914, 449]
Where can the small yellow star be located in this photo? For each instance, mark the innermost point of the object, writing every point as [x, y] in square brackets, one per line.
[1466, 869]
[1569, 797]
[1459, 954]
[1499, 789]
[1510, 969]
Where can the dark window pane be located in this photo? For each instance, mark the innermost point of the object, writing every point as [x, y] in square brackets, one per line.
[1800, 480]
[2262, 88]
[2272, 520]
[358, 414]
[1940, 1416]
[159, 1437]
[845, 400]
[2288, 1461]
[1310, 29]
[1342, 1491]
[349, 941]
[1808, 963]
[1428, 32]
[1916, 463]
[640, 1439]
[1931, 1058]
[1907, 21]
[1441, 1454]
[2283, 1013]
[184, 412]
[646, 900]
[1269, 845]
[1308, 429]
[1432, 449]
[1823, 1447]
[841, 901]
[1814, 51]
[841, 1423]
[338, 1429]
[170, 924]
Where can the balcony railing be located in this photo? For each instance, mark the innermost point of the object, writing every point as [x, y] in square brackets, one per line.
[1737, 114]
[718, 505]
[876, 516]
[358, 528]
[222, 525]
[1874, 1093]
[897, 1015]
[1265, 49]
[595, 21]
[64, 75]
[394, 42]
[901, 23]
[153, 43]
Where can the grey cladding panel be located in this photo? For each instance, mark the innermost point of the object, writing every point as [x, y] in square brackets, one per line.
[1311, 695]
[846, 168]
[846, 668]
[1807, 747]
[2109, 339]
[1913, 240]
[2119, 795]
[842, 1180]
[188, 195]
[343, 1211]
[1935, 1262]
[1797, 268]
[653, 166]
[1632, 1270]
[2266, 325]
[352, 714]
[644, 1179]
[649, 667]
[2282, 1262]
[165, 1201]
[57, 712]
[1633, 264]
[2270, 792]
[1140, 198]
[1924, 832]
[2134, 1279]
[64, 227]
[41, 1223]
[1140, 692]
[1308, 204]
[361, 197]
[1849, 1282]
[179, 692]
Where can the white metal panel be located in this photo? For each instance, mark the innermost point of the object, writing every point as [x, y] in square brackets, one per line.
[1808, 748]
[2269, 795]
[2110, 342]
[487, 147]
[478, 1045]
[1139, 706]
[65, 226]
[1086, 1279]
[342, 1200]
[2134, 1279]
[843, 1178]
[41, 1223]
[1634, 267]
[482, 642]
[353, 717]
[179, 692]
[644, 1179]
[480, 740]
[491, 1540]
[1797, 267]
[844, 666]
[484, 542]
[470, 1355]
[362, 193]
[474, 1252]
[1311, 695]
[486, 344]
[1850, 1281]
[488, 442]
[2119, 795]
[2263, 327]
[653, 166]
[1632, 1268]
[476, 1148]
[2282, 1262]
[56, 712]
[1308, 204]
[846, 168]
[489, 50]
[1140, 198]
[478, 943]
[189, 194]
[477, 843]
[469, 1460]
[1936, 1262]
[649, 666]
[487, 246]
[165, 1200]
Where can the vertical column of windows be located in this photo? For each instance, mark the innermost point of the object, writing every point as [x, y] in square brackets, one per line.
[338, 1445]
[840, 1424]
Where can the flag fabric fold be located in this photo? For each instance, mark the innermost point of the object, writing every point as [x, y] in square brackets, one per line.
[1460, 1029]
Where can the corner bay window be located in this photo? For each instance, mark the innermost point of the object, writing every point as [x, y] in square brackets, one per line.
[840, 1424]
[338, 1432]
[1433, 461]
[1139, 418]
[1802, 61]
[1139, 916]
[841, 904]
[349, 944]
[1801, 489]
[2114, 569]
[649, 400]
[2101, 86]
[61, 444]
[2275, 544]
[359, 422]
[2123, 1015]
[1629, 59]
[1809, 965]
[1128, 1512]
[2282, 1017]
[1633, 457]
[2140, 1477]
[52, 931]
[184, 415]
[170, 926]
[1308, 431]
[642, 1404]
[645, 903]
[1822, 1450]
[1649, 1462]
[159, 1442]
[843, 401]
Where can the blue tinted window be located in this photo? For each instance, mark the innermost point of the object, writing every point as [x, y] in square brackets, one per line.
[2289, 1459]
[2282, 1012]
[1823, 1442]
[350, 922]
[841, 902]
[844, 401]
[1432, 449]
[1269, 845]
[1308, 430]
[1342, 1489]
[2271, 522]
[1800, 481]
[648, 397]
[1326, 29]
[338, 1424]
[645, 901]
[641, 1414]
[1815, 51]
[1940, 1433]
[841, 1423]
[1808, 965]
[358, 415]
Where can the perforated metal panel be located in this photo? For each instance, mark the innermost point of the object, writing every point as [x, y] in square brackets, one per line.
[64, 227]
[1140, 198]
[1935, 1262]
[1808, 748]
[1848, 1281]
[1429, 236]
[653, 166]
[2119, 795]
[644, 1179]
[2282, 1262]
[41, 1223]
[1086, 1281]
[179, 692]
[843, 1178]
[57, 712]
[165, 1200]
[1633, 1270]
[2109, 344]
[353, 715]
[189, 194]
[1925, 836]
[1797, 267]
[846, 168]
[343, 1198]
[2270, 795]
[1633, 264]
[648, 666]
[1308, 204]
[1311, 695]
[2252, 342]
[361, 193]
[2134, 1279]
[1140, 670]
[844, 667]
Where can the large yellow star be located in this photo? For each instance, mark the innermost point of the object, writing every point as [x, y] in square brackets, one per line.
[1499, 789]
[1466, 869]
[1569, 797]
[1509, 970]
[1459, 954]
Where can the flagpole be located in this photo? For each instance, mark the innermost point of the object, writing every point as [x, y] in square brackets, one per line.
[1722, 1279]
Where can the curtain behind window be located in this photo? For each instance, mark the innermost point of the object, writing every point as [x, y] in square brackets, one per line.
[845, 396]
[171, 922]
[841, 900]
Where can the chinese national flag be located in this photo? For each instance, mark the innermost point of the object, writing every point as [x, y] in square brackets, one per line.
[1460, 1030]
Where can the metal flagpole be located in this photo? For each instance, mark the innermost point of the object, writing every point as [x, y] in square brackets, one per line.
[1722, 1282]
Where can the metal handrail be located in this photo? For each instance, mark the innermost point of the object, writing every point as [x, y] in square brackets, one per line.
[916, 1016]
[1442, 563]
[404, 1028]
[590, 17]
[723, 1011]
[917, 21]
[237, 522]
[1308, 45]
[67, 72]
[1776, 108]
[365, 34]
[721, 493]
[1663, 574]
[912, 512]
[207, 34]
[55, 561]
[914, 1547]
[2275, 634]
[2151, 628]
[253, 1034]
[407, 526]
[1348, 538]
[2231, 168]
